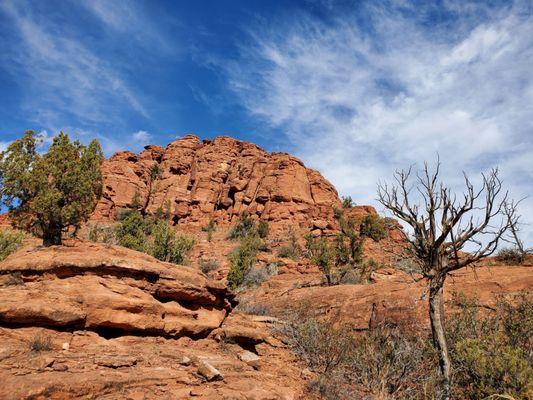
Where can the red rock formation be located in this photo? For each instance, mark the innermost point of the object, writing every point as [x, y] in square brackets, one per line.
[216, 179]
[96, 321]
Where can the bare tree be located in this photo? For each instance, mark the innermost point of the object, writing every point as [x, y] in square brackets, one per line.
[449, 232]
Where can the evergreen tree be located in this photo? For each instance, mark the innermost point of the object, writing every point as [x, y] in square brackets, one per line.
[47, 194]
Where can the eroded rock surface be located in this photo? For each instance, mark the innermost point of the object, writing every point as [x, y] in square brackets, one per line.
[91, 321]
[219, 179]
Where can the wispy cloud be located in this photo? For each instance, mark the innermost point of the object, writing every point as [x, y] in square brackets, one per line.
[126, 17]
[359, 101]
[62, 76]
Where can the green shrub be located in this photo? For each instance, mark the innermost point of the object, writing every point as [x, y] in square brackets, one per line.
[210, 228]
[292, 249]
[245, 227]
[347, 201]
[207, 266]
[510, 256]
[491, 367]
[263, 229]
[242, 259]
[322, 254]
[132, 231]
[167, 245]
[374, 227]
[492, 354]
[10, 241]
[152, 236]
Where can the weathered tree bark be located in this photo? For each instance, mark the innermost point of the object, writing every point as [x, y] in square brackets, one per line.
[52, 235]
[436, 316]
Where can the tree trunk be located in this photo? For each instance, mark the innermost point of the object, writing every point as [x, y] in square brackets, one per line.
[52, 235]
[436, 316]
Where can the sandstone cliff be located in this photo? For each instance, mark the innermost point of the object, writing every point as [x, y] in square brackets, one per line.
[216, 179]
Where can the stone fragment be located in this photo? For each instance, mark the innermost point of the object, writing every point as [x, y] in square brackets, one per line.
[250, 358]
[209, 372]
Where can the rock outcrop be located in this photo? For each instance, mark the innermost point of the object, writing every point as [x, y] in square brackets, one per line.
[392, 295]
[96, 321]
[197, 181]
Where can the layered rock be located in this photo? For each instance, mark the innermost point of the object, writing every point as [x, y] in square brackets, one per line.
[196, 181]
[109, 290]
[96, 321]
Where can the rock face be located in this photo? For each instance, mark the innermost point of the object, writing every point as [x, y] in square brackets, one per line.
[110, 291]
[196, 181]
[91, 321]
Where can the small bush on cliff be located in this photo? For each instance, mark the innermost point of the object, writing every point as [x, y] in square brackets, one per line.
[292, 249]
[152, 236]
[167, 245]
[50, 193]
[133, 230]
[242, 259]
[207, 266]
[210, 228]
[245, 227]
[263, 229]
[374, 227]
[347, 201]
[10, 241]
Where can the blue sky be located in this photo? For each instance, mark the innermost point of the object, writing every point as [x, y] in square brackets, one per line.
[354, 88]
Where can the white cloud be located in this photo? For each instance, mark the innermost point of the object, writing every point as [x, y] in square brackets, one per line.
[357, 106]
[127, 17]
[63, 76]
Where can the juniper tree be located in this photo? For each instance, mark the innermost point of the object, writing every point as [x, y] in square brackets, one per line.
[47, 194]
[449, 232]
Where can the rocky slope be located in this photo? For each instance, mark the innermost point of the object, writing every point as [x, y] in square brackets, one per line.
[199, 180]
[92, 321]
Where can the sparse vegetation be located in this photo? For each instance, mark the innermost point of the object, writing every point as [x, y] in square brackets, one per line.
[40, 343]
[493, 354]
[340, 260]
[256, 276]
[292, 249]
[101, 234]
[253, 308]
[510, 256]
[263, 229]
[10, 241]
[50, 193]
[384, 362]
[245, 227]
[210, 228]
[206, 266]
